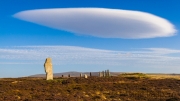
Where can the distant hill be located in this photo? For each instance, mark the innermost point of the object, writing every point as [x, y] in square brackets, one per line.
[77, 74]
[74, 74]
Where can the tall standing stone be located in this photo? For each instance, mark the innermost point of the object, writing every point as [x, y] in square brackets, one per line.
[104, 73]
[85, 76]
[108, 73]
[100, 74]
[48, 69]
[80, 75]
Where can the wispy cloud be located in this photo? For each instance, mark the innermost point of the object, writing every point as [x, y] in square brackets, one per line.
[148, 57]
[101, 22]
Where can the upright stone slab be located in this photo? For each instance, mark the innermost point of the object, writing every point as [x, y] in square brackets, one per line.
[108, 73]
[85, 76]
[80, 75]
[48, 69]
[104, 74]
[100, 74]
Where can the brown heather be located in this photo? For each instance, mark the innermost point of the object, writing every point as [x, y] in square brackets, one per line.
[119, 88]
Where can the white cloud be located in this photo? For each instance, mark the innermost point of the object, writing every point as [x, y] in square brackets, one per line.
[146, 58]
[163, 51]
[101, 22]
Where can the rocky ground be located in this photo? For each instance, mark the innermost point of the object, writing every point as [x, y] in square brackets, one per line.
[119, 88]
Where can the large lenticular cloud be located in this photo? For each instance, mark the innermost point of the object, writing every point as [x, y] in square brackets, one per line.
[101, 22]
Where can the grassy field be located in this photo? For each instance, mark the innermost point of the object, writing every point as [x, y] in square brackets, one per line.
[125, 87]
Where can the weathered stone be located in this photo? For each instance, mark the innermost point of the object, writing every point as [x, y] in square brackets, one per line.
[103, 73]
[48, 69]
[80, 75]
[85, 76]
[108, 73]
[100, 74]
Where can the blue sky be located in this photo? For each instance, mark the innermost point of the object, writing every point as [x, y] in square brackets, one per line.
[25, 42]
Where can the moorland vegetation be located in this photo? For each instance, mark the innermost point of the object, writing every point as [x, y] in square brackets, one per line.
[125, 87]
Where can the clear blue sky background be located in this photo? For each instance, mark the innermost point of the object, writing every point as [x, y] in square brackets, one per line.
[15, 32]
